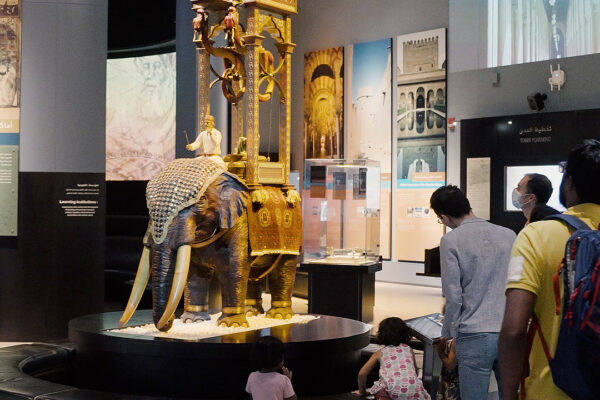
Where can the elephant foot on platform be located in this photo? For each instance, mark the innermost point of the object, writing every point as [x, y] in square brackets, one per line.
[233, 321]
[254, 307]
[194, 316]
[280, 313]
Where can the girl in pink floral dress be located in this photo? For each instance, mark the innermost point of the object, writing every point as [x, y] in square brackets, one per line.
[397, 371]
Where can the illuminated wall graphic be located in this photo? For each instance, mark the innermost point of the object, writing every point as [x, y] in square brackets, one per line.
[324, 103]
[370, 132]
[537, 30]
[421, 137]
[140, 116]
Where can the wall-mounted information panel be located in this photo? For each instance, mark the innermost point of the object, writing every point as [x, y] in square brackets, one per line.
[10, 90]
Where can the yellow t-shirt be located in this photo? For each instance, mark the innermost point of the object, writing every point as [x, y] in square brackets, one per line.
[535, 257]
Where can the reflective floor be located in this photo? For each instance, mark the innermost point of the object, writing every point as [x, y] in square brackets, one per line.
[391, 299]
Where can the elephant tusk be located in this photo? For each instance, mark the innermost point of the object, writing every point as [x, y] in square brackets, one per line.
[182, 266]
[139, 285]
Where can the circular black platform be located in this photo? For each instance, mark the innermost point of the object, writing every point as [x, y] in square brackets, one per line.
[323, 354]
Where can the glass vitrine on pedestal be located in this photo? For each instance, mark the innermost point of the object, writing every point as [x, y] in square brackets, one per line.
[341, 203]
[341, 207]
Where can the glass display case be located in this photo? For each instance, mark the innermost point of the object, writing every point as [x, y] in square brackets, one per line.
[341, 206]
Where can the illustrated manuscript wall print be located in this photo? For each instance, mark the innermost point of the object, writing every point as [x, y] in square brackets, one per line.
[140, 116]
[324, 103]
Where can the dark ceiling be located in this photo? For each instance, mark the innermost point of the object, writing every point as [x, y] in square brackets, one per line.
[134, 24]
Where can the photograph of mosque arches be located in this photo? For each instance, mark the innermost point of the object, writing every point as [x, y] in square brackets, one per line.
[421, 81]
[324, 103]
[421, 140]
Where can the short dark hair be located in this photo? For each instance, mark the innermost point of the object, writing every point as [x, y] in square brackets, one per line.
[393, 331]
[267, 352]
[449, 200]
[541, 186]
[583, 166]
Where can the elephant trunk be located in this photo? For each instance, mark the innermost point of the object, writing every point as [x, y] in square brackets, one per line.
[169, 276]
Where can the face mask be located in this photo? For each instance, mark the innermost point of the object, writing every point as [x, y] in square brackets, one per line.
[516, 197]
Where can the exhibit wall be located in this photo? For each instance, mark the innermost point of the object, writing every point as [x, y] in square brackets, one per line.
[358, 21]
[52, 270]
[471, 93]
[474, 93]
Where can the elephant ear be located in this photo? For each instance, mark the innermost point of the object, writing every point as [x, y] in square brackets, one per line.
[233, 200]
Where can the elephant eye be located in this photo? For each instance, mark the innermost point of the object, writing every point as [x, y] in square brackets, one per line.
[202, 204]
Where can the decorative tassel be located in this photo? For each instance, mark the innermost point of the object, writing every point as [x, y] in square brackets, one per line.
[260, 196]
[292, 197]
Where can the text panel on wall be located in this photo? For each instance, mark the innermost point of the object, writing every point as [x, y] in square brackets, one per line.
[10, 93]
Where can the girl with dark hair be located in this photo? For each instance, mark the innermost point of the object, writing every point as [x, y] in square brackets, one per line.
[272, 381]
[397, 368]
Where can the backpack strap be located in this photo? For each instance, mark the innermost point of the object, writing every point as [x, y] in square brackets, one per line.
[577, 224]
[534, 327]
[556, 285]
[571, 220]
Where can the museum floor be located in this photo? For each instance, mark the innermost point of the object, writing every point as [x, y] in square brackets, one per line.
[391, 299]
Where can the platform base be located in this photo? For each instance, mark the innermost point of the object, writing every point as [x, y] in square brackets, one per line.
[323, 354]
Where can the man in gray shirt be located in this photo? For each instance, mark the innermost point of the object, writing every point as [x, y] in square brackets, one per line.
[474, 258]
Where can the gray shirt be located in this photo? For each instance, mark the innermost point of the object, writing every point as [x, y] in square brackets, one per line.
[474, 259]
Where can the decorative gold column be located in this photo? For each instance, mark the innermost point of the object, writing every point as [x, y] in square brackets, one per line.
[285, 81]
[253, 42]
[202, 74]
[237, 123]
[202, 88]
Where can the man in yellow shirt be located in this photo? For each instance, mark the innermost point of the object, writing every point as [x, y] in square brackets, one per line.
[536, 255]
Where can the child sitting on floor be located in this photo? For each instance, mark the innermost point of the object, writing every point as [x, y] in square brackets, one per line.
[272, 381]
[397, 371]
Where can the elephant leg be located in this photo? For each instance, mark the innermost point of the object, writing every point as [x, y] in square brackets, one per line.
[196, 295]
[281, 284]
[233, 277]
[254, 298]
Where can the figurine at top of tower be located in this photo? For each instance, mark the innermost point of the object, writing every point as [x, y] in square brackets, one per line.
[199, 21]
[232, 22]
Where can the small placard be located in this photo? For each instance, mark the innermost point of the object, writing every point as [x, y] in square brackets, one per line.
[9, 179]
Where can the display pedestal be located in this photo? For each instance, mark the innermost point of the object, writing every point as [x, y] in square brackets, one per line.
[215, 367]
[342, 290]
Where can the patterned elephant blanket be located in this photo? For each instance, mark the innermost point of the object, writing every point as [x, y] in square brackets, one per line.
[179, 185]
[275, 227]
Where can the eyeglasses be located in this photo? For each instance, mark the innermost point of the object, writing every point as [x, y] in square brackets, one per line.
[562, 167]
